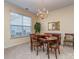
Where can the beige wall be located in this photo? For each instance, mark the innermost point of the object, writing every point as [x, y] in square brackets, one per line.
[8, 41]
[65, 16]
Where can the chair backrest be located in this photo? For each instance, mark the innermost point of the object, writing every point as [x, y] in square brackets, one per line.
[69, 36]
[33, 37]
[48, 34]
[54, 42]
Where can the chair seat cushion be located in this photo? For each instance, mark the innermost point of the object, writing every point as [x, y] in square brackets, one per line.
[68, 40]
[69, 37]
[52, 38]
[53, 45]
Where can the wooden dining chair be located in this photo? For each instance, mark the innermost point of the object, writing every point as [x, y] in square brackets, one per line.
[53, 44]
[35, 43]
[69, 39]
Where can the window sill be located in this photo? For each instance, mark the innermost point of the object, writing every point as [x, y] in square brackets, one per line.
[18, 37]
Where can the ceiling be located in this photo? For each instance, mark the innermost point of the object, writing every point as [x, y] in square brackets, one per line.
[32, 5]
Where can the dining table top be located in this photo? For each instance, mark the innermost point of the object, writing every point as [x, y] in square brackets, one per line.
[43, 37]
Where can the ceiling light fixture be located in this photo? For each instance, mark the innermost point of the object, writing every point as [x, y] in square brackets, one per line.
[42, 13]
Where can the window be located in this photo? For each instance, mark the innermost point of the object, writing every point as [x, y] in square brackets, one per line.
[20, 25]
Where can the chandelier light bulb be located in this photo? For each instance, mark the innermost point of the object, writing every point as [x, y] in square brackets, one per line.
[47, 11]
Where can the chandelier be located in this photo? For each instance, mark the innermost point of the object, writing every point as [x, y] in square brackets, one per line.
[42, 13]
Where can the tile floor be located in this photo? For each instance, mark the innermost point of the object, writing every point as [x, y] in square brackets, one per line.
[23, 52]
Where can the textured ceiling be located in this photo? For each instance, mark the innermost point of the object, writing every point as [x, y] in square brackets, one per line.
[32, 5]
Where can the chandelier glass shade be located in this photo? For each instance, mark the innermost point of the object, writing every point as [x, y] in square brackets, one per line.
[42, 13]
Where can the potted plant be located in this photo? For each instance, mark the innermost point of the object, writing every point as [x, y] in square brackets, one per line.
[37, 27]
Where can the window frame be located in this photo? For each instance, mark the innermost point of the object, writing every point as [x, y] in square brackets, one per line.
[20, 25]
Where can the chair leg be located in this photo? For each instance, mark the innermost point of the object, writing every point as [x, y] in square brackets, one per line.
[73, 44]
[48, 52]
[58, 50]
[55, 53]
[34, 48]
[51, 49]
[43, 48]
[37, 50]
[31, 48]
